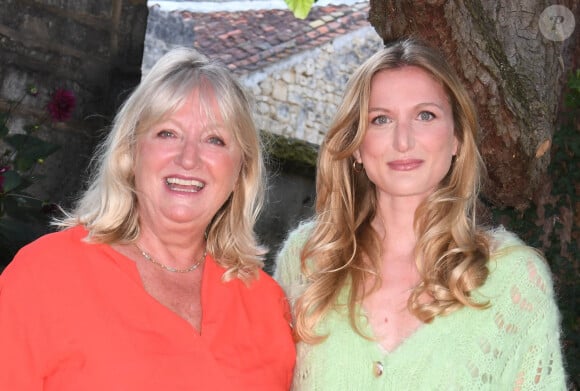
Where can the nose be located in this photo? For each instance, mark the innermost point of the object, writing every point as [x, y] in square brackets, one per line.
[188, 155]
[403, 136]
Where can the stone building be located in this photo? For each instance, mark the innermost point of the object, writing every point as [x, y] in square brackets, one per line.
[92, 49]
[296, 70]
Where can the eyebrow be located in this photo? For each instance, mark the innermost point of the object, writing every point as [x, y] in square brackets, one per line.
[206, 124]
[419, 105]
[430, 104]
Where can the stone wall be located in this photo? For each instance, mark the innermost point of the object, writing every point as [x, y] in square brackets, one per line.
[93, 48]
[297, 97]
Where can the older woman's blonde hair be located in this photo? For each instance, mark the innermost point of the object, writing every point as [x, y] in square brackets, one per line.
[451, 252]
[108, 208]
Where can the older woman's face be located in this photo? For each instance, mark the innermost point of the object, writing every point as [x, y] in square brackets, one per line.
[409, 143]
[187, 166]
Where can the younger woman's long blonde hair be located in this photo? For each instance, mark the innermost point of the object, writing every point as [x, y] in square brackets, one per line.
[451, 252]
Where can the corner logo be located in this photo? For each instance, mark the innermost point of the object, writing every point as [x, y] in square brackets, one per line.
[557, 23]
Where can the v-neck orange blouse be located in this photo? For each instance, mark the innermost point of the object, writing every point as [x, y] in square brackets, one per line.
[75, 316]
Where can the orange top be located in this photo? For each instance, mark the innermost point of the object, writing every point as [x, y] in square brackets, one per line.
[75, 316]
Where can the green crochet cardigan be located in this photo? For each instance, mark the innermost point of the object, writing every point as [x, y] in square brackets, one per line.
[513, 345]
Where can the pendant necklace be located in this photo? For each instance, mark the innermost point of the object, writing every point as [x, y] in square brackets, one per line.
[191, 268]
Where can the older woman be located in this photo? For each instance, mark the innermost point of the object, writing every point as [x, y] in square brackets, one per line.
[155, 280]
[396, 286]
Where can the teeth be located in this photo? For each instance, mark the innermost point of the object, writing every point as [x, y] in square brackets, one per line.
[184, 182]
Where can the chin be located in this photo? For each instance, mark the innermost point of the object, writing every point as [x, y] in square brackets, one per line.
[184, 216]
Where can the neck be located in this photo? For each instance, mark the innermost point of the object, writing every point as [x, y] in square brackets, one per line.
[175, 251]
[394, 224]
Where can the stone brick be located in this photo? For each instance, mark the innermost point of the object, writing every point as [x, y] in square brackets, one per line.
[75, 44]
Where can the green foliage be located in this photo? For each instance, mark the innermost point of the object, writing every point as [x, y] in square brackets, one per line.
[553, 224]
[291, 155]
[30, 150]
[572, 99]
[21, 212]
[300, 8]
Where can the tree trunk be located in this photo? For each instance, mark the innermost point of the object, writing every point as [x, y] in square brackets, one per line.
[514, 70]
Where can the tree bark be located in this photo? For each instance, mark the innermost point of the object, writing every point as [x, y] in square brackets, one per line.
[514, 73]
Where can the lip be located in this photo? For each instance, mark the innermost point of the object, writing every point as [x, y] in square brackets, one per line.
[405, 164]
[184, 184]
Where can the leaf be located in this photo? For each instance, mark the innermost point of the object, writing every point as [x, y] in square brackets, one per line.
[300, 8]
[31, 128]
[572, 101]
[3, 125]
[11, 180]
[29, 150]
[24, 208]
[574, 81]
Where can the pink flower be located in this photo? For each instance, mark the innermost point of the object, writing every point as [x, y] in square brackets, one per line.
[61, 105]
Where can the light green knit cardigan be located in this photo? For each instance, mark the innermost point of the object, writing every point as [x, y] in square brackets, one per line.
[513, 345]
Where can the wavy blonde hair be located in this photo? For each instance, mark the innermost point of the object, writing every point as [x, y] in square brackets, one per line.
[343, 248]
[108, 208]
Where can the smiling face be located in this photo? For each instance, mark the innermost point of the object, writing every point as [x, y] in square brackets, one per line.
[186, 167]
[409, 143]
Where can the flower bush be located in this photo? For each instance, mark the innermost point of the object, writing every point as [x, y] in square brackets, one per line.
[22, 213]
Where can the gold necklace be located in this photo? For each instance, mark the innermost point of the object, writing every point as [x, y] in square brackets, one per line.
[191, 268]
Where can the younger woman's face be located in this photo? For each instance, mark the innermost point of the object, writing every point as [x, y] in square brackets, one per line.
[409, 143]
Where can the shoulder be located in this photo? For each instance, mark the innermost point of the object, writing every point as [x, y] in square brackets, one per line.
[520, 280]
[298, 237]
[261, 295]
[261, 286]
[287, 268]
[49, 248]
[289, 255]
[523, 307]
[266, 284]
[42, 270]
[65, 237]
[514, 261]
[48, 262]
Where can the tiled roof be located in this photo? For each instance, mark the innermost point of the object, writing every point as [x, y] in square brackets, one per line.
[249, 40]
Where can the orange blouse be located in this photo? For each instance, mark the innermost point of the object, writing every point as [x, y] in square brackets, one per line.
[75, 316]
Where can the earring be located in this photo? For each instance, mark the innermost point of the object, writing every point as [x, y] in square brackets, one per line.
[357, 167]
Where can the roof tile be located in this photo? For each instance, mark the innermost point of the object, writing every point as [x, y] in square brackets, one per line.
[249, 40]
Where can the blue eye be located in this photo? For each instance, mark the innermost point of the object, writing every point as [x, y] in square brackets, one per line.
[426, 116]
[216, 140]
[380, 120]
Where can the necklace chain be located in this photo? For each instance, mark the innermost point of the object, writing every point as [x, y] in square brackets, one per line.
[191, 268]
